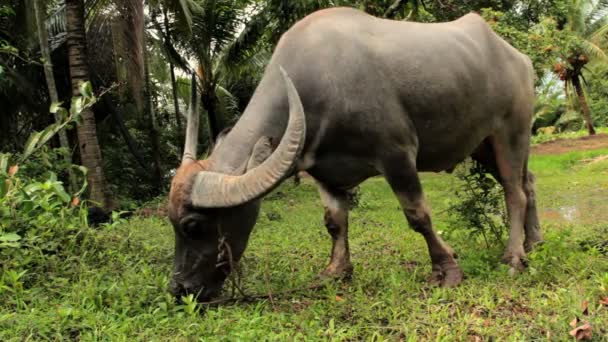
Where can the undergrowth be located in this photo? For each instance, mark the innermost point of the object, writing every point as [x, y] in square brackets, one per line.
[110, 283]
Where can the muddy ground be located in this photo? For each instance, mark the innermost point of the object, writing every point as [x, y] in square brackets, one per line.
[569, 145]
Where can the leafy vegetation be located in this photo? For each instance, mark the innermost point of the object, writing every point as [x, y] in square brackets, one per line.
[479, 207]
[40, 220]
[152, 49]
[114, 286]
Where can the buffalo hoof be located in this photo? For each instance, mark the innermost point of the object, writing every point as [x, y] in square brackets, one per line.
[344, 271]
[446, 275]
[532, 241]
[517, 261]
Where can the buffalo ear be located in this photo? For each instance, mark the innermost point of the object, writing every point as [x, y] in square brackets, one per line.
[261, 150]
[220, 138]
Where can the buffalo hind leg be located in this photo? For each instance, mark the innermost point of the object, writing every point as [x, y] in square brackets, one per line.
[400, 172]
[336, 222]
[511, 154]
[531, 225]
[486, 155]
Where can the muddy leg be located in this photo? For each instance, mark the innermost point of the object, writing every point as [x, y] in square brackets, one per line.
[485, 155]
[336, 222]
[531, 226]
[400, 172]
[510, 164]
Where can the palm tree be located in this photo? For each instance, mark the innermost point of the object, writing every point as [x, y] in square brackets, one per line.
[587, 22]
[229, 38]
[50, 78]
[221, 36]
[90, 153]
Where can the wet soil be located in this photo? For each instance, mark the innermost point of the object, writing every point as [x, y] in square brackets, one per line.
[568, 145]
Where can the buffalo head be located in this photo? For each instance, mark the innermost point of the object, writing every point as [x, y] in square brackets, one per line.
[213, 213]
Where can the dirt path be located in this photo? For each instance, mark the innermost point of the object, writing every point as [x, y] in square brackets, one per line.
[568, 145]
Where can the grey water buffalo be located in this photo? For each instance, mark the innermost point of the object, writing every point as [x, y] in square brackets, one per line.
[348, 96]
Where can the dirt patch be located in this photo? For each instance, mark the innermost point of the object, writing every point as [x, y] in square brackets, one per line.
[568, 145]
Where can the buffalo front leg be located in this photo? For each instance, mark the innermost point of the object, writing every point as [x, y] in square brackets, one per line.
[336, 222]
[402, 176]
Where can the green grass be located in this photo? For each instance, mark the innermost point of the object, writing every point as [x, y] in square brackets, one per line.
[117, 289]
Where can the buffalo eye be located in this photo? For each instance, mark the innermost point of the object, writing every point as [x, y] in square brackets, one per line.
[194, 226]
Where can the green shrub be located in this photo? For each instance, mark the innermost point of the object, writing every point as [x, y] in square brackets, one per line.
[479, 209]
[39, 219]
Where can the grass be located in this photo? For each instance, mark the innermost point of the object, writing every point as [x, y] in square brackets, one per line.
[116, 290]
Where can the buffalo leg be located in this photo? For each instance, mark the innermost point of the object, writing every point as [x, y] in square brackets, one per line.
[485, 155]
[401, 174]
[336, 222]
[510, 157]
[531, 225]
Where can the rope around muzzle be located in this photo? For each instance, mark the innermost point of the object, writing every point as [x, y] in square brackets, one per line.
[225, 258]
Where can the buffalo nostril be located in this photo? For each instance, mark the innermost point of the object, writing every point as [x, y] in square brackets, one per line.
[175, 288]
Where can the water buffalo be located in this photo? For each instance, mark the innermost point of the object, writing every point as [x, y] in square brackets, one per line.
[348, 96]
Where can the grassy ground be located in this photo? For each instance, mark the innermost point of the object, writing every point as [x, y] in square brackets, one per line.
[116, 290]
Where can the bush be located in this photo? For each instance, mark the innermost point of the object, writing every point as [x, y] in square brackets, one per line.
[39, 219]
[480, 209]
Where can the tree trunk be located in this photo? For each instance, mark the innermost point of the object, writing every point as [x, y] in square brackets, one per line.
[152, 125]
[576, 82]
[209, 100]
[133, 35]
[394, 8]
[117, 115]
[50, 82]
[178, 119]
[90, 153]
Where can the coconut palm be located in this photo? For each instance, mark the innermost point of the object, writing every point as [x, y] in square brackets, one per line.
[90, 153]
[587, 22]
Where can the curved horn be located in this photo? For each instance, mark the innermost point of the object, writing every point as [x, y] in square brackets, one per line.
[216, 190]
[192, 125]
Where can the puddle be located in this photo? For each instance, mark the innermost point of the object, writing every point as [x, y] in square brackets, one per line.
[566, 213]
[585, 211]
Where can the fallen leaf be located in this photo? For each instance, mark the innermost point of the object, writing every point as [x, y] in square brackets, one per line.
[585, 307]
[574, 322]
[604, 300]
[12, 170]
[582, 333]
[75, 201]
[339, 299]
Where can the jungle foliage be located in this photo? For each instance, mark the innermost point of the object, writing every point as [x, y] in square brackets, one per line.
[149, 55]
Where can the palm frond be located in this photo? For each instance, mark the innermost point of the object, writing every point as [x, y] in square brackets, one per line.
[598, 10]
[595, 51]
[253, 64]
[184, 9]
[599, 31]
[230, 102]
[242, 48]
[169, 50]
[215, 27]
